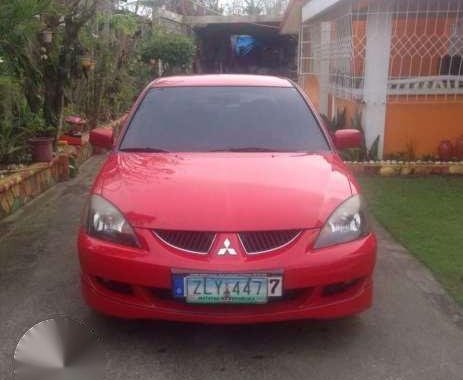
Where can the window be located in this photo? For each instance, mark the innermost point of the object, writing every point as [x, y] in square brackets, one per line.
[205, 119]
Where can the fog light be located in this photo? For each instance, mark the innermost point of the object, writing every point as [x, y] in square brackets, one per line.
[339, 287]
[115, 286]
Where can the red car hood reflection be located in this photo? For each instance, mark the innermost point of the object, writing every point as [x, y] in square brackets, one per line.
[224, 191]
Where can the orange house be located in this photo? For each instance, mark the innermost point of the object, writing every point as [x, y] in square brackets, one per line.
[395, 64]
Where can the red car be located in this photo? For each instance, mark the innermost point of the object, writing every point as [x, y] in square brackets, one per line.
[224, 200]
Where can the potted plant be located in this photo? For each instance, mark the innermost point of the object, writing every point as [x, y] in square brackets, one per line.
[445, 150]
[76, 124]
[75, 132]
[12, 148]
[41, 142]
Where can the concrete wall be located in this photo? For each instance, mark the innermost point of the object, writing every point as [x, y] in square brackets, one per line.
[421, 126]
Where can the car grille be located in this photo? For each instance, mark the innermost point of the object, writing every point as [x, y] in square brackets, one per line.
[253, 242]
[192, 241]
[265, 241]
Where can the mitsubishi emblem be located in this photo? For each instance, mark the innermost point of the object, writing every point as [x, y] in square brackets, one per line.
[226, 249]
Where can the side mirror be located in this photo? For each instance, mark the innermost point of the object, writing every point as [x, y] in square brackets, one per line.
[347, 138]
[102, 137]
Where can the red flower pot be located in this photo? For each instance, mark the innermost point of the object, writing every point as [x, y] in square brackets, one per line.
[445, 150]
[459, 148]
[42, 149]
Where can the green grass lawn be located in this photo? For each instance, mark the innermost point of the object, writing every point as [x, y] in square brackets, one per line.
[426, 216]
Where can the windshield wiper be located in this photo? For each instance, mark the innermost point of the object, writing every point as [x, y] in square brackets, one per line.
[246, 149]
[144, 150]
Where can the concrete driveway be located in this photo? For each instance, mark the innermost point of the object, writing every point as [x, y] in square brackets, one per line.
[414, 331]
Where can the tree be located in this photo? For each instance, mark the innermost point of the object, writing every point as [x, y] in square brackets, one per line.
[275, 7]
[253, 7]
[183, 7]
[211, 6]
[82, 57]
[19, 28]
[72, 16]
[256, 7]
[174, 50]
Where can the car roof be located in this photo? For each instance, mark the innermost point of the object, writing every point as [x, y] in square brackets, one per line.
[221, 80]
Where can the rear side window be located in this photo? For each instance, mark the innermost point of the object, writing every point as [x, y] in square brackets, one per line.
[206, 119]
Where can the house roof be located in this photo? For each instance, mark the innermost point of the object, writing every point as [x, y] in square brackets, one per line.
[299, 11]
[221, 80]
[231, 19]
[315, 8]
[292, 17]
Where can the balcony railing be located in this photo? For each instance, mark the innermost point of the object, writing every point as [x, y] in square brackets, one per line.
[430, 85]
[352, 88]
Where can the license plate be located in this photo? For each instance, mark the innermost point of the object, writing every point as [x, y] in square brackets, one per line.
[228, 289]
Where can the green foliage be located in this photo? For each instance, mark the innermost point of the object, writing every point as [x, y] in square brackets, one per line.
[175, 50]
[410, 154]
[253, 7]
[73, 168]
[355, 154]
[37, 127]
[373, 151]
[123, 24]
[429, 157]
[338, 122]
[12, 146]
[12, 108]
[19, 25]
[110, 41]
[39, 79]
[20, 73]
[11, 99]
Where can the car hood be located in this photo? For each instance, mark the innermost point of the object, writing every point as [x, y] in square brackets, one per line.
[224, 191]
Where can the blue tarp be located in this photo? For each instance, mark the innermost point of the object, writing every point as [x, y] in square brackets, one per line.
[243, 44]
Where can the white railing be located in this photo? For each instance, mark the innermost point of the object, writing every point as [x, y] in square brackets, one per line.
[425, 49]
[346, 92]
[429, 85]
[418, 86]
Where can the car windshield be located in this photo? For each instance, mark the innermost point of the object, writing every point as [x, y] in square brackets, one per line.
[214, 119]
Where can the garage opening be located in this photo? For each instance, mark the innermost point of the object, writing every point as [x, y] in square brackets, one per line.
[229, 45]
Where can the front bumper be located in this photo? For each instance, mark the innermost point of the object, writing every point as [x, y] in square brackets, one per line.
[136, 283]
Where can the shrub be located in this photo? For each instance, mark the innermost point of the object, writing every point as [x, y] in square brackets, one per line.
[12, 111]
[175, 50]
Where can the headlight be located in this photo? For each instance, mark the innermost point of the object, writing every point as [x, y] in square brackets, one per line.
[348, 222]
[104, 221]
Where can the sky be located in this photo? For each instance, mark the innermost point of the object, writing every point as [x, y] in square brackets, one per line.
[223, 3]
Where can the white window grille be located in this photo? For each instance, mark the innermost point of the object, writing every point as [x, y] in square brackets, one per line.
[310, 44]
[426, 52]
